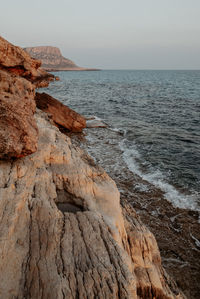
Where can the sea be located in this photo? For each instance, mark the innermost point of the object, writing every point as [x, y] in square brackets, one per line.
[153, 126]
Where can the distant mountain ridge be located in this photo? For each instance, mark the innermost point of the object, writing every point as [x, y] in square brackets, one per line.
[52, 59]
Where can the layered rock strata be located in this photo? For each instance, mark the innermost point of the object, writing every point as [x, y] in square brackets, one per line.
[62, 230]
[61, 114]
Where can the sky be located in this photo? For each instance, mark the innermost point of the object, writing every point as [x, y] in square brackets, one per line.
[109, 34]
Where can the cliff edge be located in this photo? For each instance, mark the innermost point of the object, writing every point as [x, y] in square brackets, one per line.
[63, 232]
[52, 59]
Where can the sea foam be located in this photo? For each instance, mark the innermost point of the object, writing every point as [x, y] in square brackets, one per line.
[157, 178]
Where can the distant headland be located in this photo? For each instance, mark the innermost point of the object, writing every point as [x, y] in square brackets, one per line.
[52, 59]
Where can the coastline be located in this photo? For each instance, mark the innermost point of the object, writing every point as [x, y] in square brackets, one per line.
[177, 230]
[64, 233]
[72, 70]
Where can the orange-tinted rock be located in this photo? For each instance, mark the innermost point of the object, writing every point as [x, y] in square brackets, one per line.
[18, 130]
[15, 60]
[61, 114]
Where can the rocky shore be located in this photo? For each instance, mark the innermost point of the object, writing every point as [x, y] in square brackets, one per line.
[177, 230]
[63, 231]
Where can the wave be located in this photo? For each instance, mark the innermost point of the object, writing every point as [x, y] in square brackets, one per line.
[157, 178]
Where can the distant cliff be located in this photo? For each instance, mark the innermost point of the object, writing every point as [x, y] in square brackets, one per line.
[52, 59]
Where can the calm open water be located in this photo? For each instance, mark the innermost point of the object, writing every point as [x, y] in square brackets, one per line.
[155, 116]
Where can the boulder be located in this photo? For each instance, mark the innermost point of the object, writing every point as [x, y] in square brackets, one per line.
[18, 129]
[61, 114]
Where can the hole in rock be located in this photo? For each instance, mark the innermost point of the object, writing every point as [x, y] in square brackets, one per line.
[69, 207]
[68, 203]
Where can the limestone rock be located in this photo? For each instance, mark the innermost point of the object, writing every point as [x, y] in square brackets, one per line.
[15, 60]
[61, 114]
[87, 250]
[52, 59]
[18, 130]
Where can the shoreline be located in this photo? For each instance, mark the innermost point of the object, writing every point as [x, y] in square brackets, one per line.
[177, 230]
[72, 70]
[60, 210]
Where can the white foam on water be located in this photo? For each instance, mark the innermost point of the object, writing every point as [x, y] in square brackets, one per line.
[119, 130]
[93, 117]
[157, 178]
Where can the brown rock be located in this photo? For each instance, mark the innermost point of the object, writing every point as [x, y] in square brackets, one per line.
[61, 114]
[17, 61]
[87, 250]
[18, 130]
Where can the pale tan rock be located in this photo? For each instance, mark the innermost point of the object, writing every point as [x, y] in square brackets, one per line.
[86, 251]
[18, 130]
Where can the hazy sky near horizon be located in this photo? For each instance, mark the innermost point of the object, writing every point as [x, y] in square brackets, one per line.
[109, 34]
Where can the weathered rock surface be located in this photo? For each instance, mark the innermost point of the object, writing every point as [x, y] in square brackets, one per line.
[17, 61]
[52, 59]
[61, 114]
[18, 130]
[87, 250]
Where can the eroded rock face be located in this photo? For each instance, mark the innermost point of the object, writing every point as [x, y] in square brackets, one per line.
[18, 130]
[19, 75]
[87, 251]
[61, 114]
[16, 61]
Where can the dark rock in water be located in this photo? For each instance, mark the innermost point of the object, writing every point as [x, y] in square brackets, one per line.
[16, 61]
[18, 130]
[61, 114]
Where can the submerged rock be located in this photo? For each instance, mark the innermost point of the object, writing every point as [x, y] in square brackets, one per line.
[61, 114]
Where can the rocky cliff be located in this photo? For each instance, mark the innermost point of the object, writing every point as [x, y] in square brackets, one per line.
[63, 232]
[17, 62]
[52, 59]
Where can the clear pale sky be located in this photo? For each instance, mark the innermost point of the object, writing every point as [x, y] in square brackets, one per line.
[109, 34]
